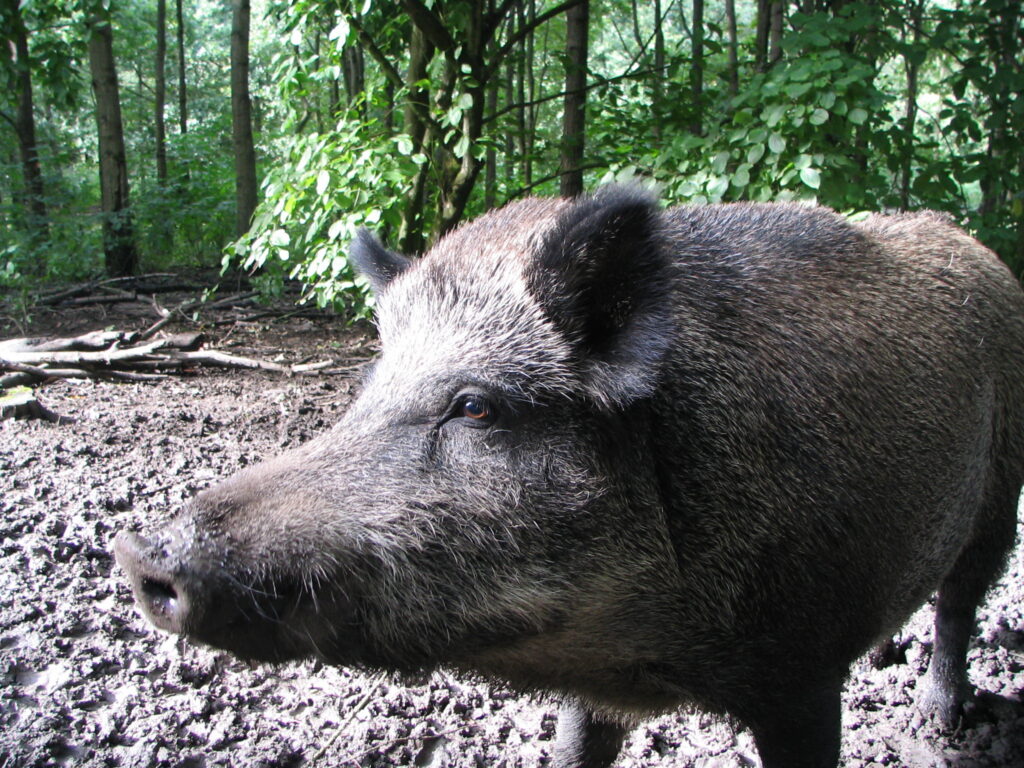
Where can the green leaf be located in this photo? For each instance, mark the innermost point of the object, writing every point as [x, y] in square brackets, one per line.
[717, 186]
[773, 113]
[857, 116]
[818, 117]
[323, 181]
[336, 229]
[340, 32]
[796, 90]
[776, 143]
[280, 238]
[811, 177]
[755, 153]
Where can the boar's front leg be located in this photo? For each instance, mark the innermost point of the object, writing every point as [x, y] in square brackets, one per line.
[585, 740]
[801, 731]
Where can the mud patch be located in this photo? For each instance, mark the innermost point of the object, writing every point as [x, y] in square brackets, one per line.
[85, 681]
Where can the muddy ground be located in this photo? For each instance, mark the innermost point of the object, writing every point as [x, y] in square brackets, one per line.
[85, 681]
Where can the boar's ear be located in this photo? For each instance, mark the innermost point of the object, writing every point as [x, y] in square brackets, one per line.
[372, 260]
[602, 276]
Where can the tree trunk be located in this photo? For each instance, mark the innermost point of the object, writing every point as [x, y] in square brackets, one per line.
[733, 67]
[491, 160]
[182, 89]
[241, 119]
[354, 67]
[697, 69]
[761, 36]
[415, 118]
[509, 154]
[574, 115]
[912, 63]
[1001, 36]
[121, 258]
[658, 90]
[160, 88]
[524, 94]
[456, 194]
[775, 31]
[25, 123]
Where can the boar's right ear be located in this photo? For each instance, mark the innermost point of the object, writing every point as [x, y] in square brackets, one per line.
[602, 277]
[375, 262]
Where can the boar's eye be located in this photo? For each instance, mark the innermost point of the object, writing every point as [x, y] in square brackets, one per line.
[474, 409]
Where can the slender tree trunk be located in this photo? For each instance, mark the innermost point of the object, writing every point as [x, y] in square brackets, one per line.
[182, 88]
[733, 66]
[697, 69]
[658, 91]
[410, 232]
[530, 132]
[354, 67]
[118, 242]
[491, 159]
[25, 123]
[635, 13]
[775, 31]
[1001, 36]
[574, 115]
[509, 155]
[912, 63]
[456, 195]
[761, 25]
[160, 88]
[522, 114]
[241, 119]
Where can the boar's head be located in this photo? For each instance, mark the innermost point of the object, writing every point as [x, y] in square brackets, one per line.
[486, 502]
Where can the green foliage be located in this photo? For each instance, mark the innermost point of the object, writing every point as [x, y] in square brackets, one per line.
[806, 128]
[828, 121]
[327, 187]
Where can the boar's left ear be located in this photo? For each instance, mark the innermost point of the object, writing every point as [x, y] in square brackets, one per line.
[372, 260]
[602, 276]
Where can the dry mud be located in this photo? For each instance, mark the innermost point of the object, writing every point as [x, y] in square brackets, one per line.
[85, 681]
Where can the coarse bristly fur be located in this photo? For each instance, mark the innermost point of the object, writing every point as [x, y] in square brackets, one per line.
[640, 458]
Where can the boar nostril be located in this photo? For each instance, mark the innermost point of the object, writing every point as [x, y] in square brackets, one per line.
[161, 597]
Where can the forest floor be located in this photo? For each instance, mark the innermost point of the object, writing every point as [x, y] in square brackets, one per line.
[84, 680]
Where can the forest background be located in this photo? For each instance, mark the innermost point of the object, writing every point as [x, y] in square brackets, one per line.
[180, 134]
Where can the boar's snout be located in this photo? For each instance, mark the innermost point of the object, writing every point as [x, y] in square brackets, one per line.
[163, 591]
[180, 594]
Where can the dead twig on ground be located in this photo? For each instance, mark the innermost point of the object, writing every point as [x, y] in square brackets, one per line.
[182, 310]
[371, 690]
[118, 355]
[139, 284]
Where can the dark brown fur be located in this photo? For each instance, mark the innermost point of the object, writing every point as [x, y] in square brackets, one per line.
[725, 450]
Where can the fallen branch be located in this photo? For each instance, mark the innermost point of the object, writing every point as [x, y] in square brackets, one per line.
[94, 341]
[118, 355]
[167, 315]
[137, 284]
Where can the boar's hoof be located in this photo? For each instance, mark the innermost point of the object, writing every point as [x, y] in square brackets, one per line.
[583, 740]
[943, 699]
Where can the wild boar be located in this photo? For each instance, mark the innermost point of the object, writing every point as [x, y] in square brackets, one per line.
[639, 458]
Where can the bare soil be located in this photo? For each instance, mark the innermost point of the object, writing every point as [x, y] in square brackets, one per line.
[84, 680]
